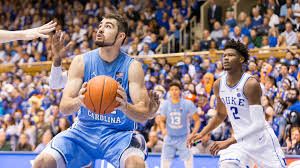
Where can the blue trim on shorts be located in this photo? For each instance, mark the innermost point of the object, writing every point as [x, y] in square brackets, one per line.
[60, 152]
[275, 148]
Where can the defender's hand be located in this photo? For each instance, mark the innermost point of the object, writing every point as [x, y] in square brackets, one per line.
[41, 31]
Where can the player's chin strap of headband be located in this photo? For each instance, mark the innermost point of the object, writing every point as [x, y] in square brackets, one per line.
[257, 116]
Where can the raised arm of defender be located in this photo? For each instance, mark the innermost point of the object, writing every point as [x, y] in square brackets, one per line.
[144, 106]
[29, 34]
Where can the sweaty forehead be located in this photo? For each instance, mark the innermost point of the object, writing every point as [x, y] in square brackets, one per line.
[109, 21]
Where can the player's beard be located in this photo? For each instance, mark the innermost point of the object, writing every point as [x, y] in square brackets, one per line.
[103, 44]
[227, 69]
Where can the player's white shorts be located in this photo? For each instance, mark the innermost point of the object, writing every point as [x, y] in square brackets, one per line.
[261, 149]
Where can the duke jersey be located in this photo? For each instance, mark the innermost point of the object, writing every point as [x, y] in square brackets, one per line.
[236, 103]
[118, 70]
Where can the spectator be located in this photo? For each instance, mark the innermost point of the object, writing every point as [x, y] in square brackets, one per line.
[256, 40]
[274, 19]
[284, 8]
[273, 36]
[246, 42]
[229, 20]
[281, 41]
[242, 19]
[28, 128]
[273, 4]
[289, 34]
[293, 100]
[63, 125]
[214, 13]
[263, 29]
[46, 138]
[257, 19]
[4, 144]
[237, 35]
[203, 107]
[23, 143]
[268, 108]
[146, 50]
[41, 126]
[204, 44]
[154, 144]
[217, 33]
[265, 44]
[292, 144]
[203, 146]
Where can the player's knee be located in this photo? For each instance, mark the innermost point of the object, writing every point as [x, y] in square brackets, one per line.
[134, 162]
[44, 161]
[229, 164]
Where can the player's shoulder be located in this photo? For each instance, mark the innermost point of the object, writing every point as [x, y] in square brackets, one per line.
[252, 84]
[78, 59]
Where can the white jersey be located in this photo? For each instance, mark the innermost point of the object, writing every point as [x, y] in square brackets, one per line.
[236, 103]
[262, 147]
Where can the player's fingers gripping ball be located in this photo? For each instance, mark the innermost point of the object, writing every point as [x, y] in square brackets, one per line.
[100, 96]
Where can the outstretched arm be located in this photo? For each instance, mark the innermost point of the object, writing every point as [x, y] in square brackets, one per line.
[29, 34]
[144, 106]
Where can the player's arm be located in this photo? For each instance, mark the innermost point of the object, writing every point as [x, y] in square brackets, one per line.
[73, 97]
[58, 79]
[29, 34]
[144, 105]
[196, 118]
[252, 91]
[217, 119]
[163, 121]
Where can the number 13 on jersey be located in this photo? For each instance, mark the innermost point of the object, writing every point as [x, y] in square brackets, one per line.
[235, 112]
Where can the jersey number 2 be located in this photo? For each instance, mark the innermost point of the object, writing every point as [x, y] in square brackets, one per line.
[234, 112]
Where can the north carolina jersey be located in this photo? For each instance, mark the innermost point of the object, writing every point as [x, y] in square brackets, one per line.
[178, 116]
[236, 103]
[118, 70]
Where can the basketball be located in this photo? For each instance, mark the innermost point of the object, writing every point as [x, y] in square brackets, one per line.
[100, 95]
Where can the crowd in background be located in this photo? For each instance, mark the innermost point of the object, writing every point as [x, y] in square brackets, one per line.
[29, 109]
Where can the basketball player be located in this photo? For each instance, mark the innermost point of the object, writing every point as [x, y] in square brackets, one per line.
[238, 97]
[29, 34]
[175, 117]
[110, 137]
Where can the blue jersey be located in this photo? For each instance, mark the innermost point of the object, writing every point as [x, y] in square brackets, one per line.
[118, 70]
[178, 116]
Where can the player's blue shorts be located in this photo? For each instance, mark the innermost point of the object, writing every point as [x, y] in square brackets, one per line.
[175, 145]
[80, 144]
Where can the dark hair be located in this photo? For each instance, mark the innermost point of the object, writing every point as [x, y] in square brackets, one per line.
[175, 84]
[122, 23]
[239, 47]
[296, 90]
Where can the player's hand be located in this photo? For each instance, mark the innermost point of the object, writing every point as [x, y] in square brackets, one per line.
[192, 139]
[58, 47]
[154, 103]
[41, 31]
[217, 146]
[81, 93]
[122, 100]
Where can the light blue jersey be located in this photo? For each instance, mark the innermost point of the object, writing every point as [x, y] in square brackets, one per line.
[95, 136]
[178, 116]
[118, 70]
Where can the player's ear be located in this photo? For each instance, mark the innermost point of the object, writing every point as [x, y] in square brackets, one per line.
[122, 35]
[242, 59]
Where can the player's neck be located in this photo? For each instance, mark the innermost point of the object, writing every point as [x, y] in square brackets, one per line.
[108, 54]
[234, 77]
[175, 100]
